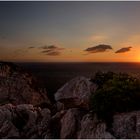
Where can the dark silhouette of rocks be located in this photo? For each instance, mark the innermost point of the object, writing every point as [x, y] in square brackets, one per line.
[18, 87]
[26, 111]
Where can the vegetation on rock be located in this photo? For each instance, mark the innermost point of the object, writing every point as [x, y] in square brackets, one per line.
[116, 93]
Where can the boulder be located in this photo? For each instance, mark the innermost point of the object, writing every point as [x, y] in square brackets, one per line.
[92, 128]
[76, 93]
[126, 125]
[70, 123]
[56, 124]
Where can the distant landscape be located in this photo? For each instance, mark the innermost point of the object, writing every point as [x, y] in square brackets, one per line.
[53, 75]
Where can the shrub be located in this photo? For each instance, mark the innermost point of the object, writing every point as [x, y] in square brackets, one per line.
[116, 93]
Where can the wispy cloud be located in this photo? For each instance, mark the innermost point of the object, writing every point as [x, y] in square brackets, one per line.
[98, 48]
[123, 50]
[52, 53]
[51, 50]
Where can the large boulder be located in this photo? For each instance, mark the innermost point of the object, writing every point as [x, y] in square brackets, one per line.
[19, 87]
[126, 125]
[92, 128]
[76, 93]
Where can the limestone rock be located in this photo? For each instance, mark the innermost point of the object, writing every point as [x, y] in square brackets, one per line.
[76, 93]
[24, 121]
[7, 128]
[127, 125]
[70, 123]
[91, 128]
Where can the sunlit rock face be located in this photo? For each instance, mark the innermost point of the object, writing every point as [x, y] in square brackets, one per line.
[76, 93]
[18, 87]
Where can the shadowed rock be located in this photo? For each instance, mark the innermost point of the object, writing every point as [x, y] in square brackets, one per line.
[70, 123]
[19, 87]
[24, 121]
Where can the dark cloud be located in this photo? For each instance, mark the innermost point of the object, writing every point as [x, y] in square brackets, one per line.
[46, 51]
[32, 47]
[49, 47]
[123, 50]
[51, 50]
[98, 48]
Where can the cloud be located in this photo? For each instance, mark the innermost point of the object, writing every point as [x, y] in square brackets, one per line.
[32, 47]
[123, 50]
[51, 50]
[98, 48]
[48, 47]
[53, 53]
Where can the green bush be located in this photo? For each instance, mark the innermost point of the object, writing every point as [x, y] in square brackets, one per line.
[116, 93]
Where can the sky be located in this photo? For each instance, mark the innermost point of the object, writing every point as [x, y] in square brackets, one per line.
[70, 31]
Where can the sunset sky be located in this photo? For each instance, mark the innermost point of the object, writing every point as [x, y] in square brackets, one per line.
[70, 31]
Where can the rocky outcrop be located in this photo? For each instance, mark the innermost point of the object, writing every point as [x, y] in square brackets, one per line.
[76, 93]
[24, 121]
[27, 121]
[24, 110]
[19, 87]
[126, 125]
[70, 123]
[92, 128]
[7, 68]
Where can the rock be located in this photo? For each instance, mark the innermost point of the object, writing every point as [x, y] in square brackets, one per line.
[70, 123]
[126, 125]
[92, 128]
[24, 121]
[76, 93]
[7, 128]
[6, 68]
[19, 87]
[56, 124]
[44, 124]
[37, 122]
[59, 106]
